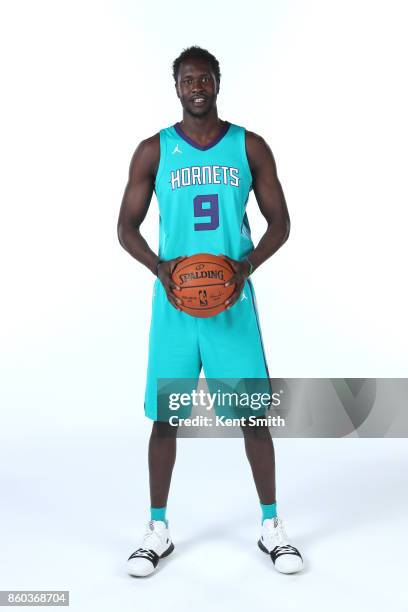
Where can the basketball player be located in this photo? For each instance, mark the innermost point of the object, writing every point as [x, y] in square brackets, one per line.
[221, 162]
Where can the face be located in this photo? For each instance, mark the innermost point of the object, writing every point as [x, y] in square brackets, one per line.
[197, 87]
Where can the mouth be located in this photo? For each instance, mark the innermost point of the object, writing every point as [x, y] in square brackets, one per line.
[199, 100]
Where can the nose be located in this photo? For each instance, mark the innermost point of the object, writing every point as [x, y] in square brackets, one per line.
[197, 86]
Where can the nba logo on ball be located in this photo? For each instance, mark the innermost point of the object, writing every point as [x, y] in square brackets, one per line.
[202, 294]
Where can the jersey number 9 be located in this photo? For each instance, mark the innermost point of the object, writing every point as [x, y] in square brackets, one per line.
[206, 206]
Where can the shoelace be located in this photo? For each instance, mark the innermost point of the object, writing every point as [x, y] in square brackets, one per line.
[144, 552]
[287, 548]
[280, 533]
[276, 534]
[150, 537]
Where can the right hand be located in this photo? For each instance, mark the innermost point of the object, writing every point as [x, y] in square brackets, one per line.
[164, 271]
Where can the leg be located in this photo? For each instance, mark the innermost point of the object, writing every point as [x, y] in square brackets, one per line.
[156, 542]
[261, 456]
[162, 456]
[238, 354]
[173, 354]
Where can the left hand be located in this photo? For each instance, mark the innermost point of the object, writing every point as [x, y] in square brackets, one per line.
[241, 273]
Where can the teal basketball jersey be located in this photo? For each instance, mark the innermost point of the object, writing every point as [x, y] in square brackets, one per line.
[202, 193]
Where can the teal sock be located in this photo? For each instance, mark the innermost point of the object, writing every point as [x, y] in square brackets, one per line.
[268, 511]
[158, 514]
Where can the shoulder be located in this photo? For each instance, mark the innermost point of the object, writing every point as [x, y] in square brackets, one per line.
[147, 153]
[258, 150]
[149, 146]
[255, 143]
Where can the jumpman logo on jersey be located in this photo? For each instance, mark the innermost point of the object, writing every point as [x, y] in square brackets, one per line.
[176, 149]
[243, 297]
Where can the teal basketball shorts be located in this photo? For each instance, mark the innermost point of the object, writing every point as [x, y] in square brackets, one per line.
[227, 346]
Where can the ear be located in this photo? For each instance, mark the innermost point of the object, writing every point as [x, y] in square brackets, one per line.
[175, 85]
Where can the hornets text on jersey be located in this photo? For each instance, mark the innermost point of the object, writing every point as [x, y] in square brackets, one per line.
[202, 194]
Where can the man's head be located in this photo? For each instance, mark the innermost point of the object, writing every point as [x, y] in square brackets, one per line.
[197, 78]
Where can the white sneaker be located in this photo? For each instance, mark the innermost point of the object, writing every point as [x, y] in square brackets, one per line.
[155, 545]
[274, 541]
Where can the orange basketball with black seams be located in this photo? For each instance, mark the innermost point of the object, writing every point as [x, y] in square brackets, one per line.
[201, 278]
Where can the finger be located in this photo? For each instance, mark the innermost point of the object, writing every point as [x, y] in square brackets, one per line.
[175, 263]
[174, 297]
[233, 298]
[231, 304]
[180, 258]
[225, 257]
[235, 278]
[177, 260]
[174, 301]
[167, 280]
[173, 285]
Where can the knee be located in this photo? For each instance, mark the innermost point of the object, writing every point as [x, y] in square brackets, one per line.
[163, 429]
[256, 432]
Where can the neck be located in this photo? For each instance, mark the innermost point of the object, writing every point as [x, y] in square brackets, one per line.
[205, 126]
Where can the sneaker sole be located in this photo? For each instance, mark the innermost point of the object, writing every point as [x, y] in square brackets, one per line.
[262, 547]
[168, 551]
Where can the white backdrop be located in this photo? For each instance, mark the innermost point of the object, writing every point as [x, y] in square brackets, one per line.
[83, 82]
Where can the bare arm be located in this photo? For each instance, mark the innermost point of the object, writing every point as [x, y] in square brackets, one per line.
[271, 201]
[135, 204]
[270, 197]
[136, 201]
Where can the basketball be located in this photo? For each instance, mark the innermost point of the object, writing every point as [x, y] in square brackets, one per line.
[201, 278]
